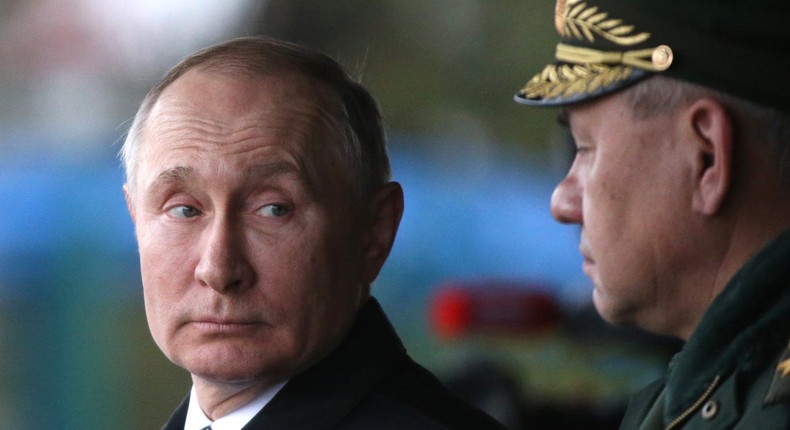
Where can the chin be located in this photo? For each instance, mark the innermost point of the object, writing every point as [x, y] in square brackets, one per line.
[230, 366]
[230, 373]
[608, 311]
[227, 378]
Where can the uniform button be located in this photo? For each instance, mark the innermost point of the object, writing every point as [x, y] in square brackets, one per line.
[710, 409]
[662, 57]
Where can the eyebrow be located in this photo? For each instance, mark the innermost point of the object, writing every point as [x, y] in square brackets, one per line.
[172, 177]
[262, 172]
[175, 175]
[180, 175]
[267, 170]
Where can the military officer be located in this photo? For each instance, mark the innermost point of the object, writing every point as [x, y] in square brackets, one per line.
[680, 113]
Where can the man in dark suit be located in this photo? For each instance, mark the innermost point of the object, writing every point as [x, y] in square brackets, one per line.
[259, 184]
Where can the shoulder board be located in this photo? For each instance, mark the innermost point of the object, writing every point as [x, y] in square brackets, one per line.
[780, 385]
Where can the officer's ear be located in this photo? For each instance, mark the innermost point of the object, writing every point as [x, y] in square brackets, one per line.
[385, 214]
[712, 136]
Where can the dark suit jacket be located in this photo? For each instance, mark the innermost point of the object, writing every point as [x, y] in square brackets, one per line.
[368, 382]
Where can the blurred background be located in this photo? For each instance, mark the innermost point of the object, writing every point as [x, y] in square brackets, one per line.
[484, 287]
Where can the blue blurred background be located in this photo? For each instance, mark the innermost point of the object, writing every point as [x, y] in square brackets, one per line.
[477, 170]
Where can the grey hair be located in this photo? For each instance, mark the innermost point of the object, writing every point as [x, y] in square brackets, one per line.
[752, 121]
[364, 148]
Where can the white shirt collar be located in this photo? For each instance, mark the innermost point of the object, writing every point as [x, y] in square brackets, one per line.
[196, 419]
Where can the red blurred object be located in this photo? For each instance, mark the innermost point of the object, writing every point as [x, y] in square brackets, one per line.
[458, 309]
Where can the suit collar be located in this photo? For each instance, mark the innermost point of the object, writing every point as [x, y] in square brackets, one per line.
[323, 395]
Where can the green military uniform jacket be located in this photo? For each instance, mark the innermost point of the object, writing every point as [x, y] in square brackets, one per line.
[734, 372]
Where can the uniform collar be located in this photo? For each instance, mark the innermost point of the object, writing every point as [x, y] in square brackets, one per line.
[755, 305]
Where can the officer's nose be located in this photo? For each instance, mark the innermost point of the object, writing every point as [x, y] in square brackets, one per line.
[566, 201]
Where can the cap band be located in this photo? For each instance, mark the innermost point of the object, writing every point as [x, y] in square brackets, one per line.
[650, 59]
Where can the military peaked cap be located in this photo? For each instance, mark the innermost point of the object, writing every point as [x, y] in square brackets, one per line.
[740, 47]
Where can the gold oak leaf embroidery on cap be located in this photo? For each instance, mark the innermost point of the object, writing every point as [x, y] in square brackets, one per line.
[565, 80]
[575, 18]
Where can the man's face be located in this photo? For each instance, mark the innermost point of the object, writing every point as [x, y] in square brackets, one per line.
[628, 190]
[250, 246]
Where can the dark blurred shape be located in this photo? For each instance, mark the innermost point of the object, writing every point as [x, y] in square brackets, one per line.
[500, 324]
[564, 417]
[459, 309]
[492, 389]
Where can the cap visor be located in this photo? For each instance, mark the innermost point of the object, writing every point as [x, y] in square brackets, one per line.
[563, 84]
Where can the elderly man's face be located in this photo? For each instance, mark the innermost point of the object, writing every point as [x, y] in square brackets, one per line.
[251, 250]
[629, 189]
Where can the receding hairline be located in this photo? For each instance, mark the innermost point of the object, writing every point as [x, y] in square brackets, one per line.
[352, 106]
[246, 59]
[234, 67]
[320, 97]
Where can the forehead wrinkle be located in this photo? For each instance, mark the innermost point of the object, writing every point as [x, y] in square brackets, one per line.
[187, 128]
[180, 123]
[182, 115]
[178, 128]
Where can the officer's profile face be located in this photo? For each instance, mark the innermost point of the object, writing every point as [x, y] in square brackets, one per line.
[628, 190]
[250, 245]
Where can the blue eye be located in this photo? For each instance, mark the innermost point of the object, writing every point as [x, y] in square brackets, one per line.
[184, 211]
[274, 210]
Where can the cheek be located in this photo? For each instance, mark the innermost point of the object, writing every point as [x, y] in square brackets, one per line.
[167, 270]
[156, 289]
[299, 279]
[313, 284]
[166, 251]
[161, 270]
[603, 210]
[615, 189]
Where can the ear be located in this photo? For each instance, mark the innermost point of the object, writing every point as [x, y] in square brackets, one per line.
[129, 203]
[385, 214]
[713, 154]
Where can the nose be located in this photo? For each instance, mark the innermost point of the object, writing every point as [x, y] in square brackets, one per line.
[566, 201]
[223, 264]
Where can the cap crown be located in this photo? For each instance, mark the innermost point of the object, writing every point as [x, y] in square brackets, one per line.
[736, 46]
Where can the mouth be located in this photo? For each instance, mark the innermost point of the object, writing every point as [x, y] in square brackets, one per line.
[584, 250]
[587, 267]
[210, 325]
[588, 262]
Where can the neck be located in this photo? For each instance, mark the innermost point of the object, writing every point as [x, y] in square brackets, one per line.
[760, 218]
[760, 214]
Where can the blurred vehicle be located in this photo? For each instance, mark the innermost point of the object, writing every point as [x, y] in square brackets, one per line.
[532, 363]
